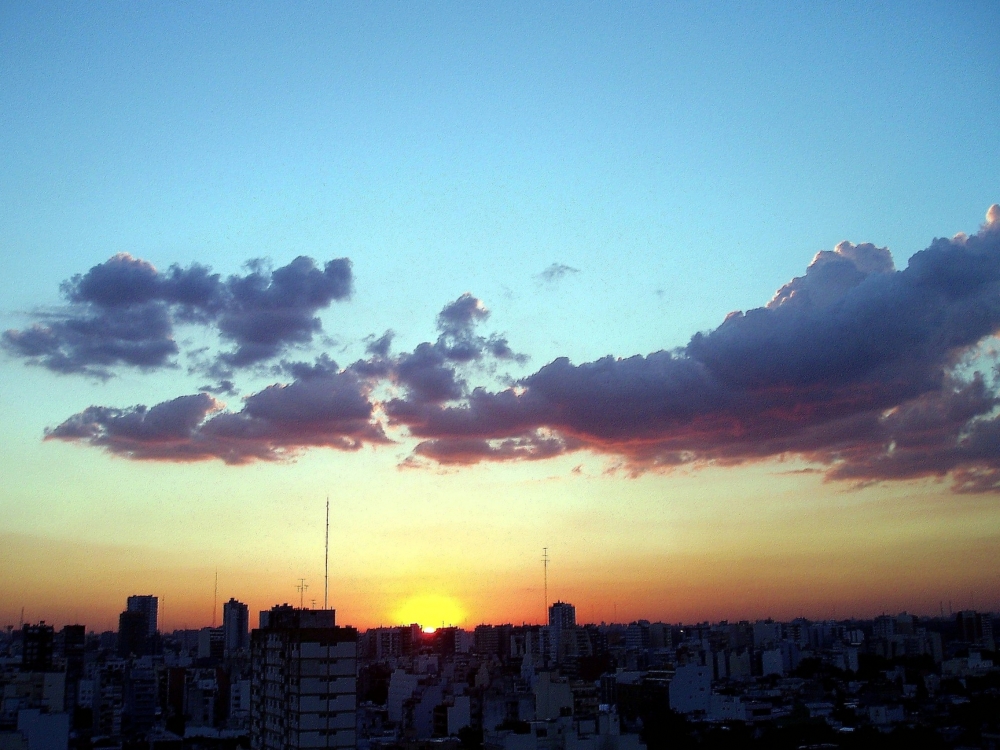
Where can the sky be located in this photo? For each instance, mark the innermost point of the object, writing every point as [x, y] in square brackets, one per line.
[701, 298]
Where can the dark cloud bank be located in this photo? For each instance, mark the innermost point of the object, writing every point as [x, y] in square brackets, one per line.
[855, 366]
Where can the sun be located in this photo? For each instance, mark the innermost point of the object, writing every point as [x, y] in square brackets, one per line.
[430, 611]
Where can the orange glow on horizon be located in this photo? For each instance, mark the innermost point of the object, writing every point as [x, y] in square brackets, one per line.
[431, 611]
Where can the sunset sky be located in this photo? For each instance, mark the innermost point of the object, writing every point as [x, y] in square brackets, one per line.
[703, 298]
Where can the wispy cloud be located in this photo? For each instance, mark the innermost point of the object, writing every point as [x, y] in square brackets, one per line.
[555, 272]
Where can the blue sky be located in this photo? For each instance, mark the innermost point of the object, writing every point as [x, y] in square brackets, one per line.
[686, 159]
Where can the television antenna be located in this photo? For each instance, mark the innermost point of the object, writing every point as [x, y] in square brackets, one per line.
[302, 588]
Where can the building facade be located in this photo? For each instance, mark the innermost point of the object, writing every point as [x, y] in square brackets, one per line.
[303, 691]
[149, 607]
[236, 626]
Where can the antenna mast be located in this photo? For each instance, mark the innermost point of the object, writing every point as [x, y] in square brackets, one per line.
[326, 559]
[545, 564]
[215, 599]
[302, 587]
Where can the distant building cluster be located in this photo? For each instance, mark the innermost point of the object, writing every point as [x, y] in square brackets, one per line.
[299, 681]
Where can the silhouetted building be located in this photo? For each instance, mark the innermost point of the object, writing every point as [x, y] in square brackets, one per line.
[303, 686]
[487, 640]
[139, 698]
[562, 615]
[73, 640]
[562, 620]
[133, 634]
[37, 642]
[235, 626]
[211, 643]
[148, 606]
[976, 629]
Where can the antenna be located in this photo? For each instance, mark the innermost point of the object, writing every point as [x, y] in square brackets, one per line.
[215, 599]
[326, 559]
[302, 588]
[545, 564]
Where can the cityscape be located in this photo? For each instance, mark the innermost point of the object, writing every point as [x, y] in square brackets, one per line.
[520, 375]
[295, 678]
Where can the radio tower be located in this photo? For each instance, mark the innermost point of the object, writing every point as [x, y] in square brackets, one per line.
[545, 565]
[215, 598]
[326, 558]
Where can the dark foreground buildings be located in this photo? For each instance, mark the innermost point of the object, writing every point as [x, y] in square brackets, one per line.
[303, 681]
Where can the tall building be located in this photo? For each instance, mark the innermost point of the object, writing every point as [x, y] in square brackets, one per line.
[303, 691]
[37, 641]
[148, 606]
[74, 644]
[976, 629]
[562, 620]
[562, 615]
[236, 626]
[133, 634]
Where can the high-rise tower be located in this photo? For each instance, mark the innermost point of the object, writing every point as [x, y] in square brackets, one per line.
[304, 681]
[148, 606]
[236, 626]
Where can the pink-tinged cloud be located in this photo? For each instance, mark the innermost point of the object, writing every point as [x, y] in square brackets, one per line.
[328, 410]
[851, 365]
[855, 366]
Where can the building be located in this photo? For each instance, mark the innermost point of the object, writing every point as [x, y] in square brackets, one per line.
[139, 700]
[303, 690]
[148, 606]
[562, 616]
[133, 634]
[211, 643]
[562, 619]
[236, 626]
[37, 643]
[73, 640]
[690, 689]
[976, 629]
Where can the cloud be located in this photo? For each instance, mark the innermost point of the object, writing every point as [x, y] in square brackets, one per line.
[869, 372]
[852, 366]
[265, 311]
[431, 372]
[123, 312]
[93, 341]
[222, 388]
[319, 409]
[380, 346]
[555, 272]
[458, 318]
[324, 405]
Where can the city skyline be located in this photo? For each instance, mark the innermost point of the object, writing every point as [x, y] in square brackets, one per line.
[700, 300]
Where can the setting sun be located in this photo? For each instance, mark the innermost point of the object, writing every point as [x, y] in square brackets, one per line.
[431, 611]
